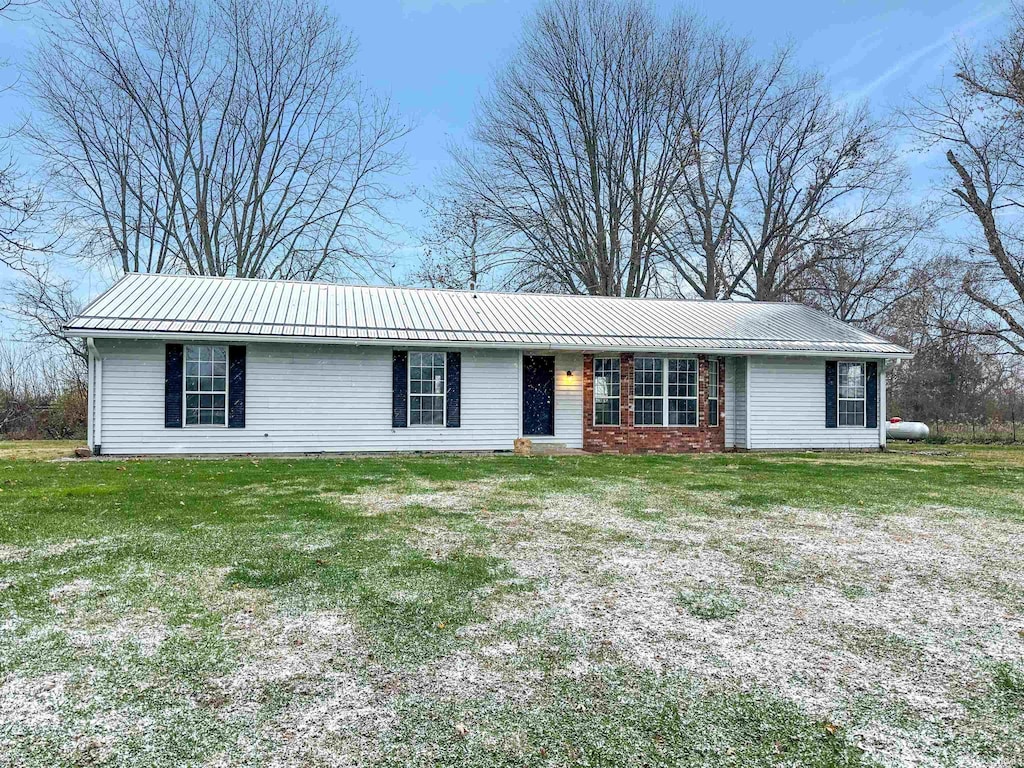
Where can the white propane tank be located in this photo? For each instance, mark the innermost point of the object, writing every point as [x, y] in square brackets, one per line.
[898, 429]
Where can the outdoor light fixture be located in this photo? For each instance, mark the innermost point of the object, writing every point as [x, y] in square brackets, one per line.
[569, 374]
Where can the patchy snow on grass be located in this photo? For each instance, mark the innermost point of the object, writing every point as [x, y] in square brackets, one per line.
[333, 717]
[463, 497]
[144, 631]
[73, 589]
[10, 554]
[32, 702]
[835, 607]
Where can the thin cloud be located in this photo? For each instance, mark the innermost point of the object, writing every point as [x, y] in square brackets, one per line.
[914, 57]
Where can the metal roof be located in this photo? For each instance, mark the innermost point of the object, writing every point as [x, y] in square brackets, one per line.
[141, 305]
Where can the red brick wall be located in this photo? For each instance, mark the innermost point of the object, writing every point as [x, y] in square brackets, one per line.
[626, 438]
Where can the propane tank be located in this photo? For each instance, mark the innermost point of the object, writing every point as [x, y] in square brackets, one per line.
[898, 429]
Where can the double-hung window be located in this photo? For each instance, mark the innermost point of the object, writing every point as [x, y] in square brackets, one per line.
[648, 391]
[427, 375]
[852, 394]
[606, 391]
[664, 392]
[206, 385]
[713, 372]
[682, 392]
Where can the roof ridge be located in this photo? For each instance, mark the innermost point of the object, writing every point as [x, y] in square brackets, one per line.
[425, 289]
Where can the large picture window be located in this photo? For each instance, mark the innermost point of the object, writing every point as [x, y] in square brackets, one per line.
[713, 373]
[852, 394]
[206, 386]
[664, 392]
[607, 391]
[426, 389]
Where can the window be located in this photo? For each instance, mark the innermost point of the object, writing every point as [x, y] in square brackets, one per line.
[606, 391]
[206, 385]
[852, 394]
[682, 392]
[664, 392]
[648, 391]
[426, 389]
[713, 372]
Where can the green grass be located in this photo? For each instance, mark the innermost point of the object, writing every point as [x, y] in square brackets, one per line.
[95, 554]
[710, 603]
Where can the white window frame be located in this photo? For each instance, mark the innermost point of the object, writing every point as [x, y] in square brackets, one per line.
[863, 400]
[664, 397]
[185, 391]
[618, 411]
[664, 389]
[444, 389]
[714, 364]
[696, 393]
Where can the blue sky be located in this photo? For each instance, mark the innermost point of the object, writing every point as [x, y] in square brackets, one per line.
[435, 56]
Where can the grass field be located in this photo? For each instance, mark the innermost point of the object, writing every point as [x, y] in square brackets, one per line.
[740, 610]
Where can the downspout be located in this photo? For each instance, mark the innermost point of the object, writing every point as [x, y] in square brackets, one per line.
[746, 394]
[95, 397]
[881, 404]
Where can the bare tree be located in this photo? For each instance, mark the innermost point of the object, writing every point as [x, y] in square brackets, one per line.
[21, 203]
[863, 278]
[819, 174]
[463, 249]
[730, 96]
[45, 302]
[214, 136]
[979, 123]
[576, 148]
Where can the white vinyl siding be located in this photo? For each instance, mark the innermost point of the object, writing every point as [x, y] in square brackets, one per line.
[307, 398]
[787, 407]
[568, 402]
[736, 402]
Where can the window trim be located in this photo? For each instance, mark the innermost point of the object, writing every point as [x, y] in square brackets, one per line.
[409, 395]
[185, 392]
[664, 393]
[664, 390]
[717, 364]
[864, 399]
[593, 395]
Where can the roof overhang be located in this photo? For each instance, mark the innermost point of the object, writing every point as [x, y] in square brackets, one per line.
[596, 346]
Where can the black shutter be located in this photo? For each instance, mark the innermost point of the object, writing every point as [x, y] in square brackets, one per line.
[236, 387]
[173, 362]
[871, 415]
[831, 394]
[399, 389]
[453, 390]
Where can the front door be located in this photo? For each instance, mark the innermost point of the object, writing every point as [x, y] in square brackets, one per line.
[538, 395]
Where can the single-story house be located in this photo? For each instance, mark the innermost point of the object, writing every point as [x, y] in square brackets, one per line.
[181, 364]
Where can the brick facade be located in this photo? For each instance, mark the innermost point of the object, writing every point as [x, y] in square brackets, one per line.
[627, 438]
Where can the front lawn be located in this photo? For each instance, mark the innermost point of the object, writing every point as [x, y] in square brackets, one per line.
[746, 610]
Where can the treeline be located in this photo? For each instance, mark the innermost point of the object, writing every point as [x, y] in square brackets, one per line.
[617, 151]
[39, 396]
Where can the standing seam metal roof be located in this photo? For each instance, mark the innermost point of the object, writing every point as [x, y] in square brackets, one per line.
[140, 304]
